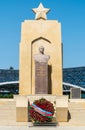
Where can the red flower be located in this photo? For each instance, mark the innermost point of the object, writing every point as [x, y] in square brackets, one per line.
[45, 105]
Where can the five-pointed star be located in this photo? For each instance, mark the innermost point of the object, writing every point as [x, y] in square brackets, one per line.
[41, 12]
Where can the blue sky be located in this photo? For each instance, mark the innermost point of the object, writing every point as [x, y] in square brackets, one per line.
[71, 14]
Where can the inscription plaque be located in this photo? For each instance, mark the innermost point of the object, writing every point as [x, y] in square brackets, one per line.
[41, 72]
[41, 78]
[75, 93]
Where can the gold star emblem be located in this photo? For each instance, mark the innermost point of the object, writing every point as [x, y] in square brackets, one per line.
[41, 12]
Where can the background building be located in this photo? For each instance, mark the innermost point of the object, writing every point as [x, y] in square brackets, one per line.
[9, 80]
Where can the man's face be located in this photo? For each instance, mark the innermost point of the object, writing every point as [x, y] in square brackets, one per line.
[41, 49]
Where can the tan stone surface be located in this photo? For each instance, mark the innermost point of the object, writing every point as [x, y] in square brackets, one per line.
[5, 100]
[62, 101]
[61, 114]
[34, 34]
[7, 111]
[21, 101]
[49, 97]
[21, 114]
[62, 108]
[21, 108]
[16, 110]
[41, 12]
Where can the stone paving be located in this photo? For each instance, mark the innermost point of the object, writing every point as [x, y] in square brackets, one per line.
[42, 128]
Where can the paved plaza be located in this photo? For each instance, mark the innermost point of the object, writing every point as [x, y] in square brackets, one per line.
[42, 128]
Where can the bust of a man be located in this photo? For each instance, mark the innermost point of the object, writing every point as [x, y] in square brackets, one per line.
[41, 57]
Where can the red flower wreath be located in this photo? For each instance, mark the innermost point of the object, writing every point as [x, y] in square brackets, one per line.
[41, 111]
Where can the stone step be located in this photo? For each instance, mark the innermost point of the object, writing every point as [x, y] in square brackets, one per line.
[76, 104]
[7, 111]
[76, 121]
[77, 107]
[77, 116]
[7, 107]
[7, 119]
[77, 110]
[76, 113]
[7, 103]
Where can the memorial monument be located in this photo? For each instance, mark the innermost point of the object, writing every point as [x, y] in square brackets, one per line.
[40, 96]
[41, 66]
[36, 33]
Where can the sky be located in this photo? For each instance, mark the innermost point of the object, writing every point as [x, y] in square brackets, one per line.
[71, 15]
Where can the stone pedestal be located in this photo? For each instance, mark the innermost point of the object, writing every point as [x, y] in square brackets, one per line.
[62, 108]
[60, 105]
[21, 108]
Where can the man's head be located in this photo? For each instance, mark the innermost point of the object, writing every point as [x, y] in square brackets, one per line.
[41, 49]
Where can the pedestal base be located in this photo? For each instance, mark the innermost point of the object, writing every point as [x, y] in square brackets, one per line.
[60, 104]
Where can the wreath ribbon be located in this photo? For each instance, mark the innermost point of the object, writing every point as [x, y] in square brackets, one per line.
[41, 111]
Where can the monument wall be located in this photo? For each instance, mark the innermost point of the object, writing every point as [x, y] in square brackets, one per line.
[36, 33]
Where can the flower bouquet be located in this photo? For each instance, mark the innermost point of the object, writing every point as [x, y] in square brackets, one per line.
[41, 111]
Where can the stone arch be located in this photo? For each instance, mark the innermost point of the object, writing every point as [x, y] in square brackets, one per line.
[35, 44]
[41, 38]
